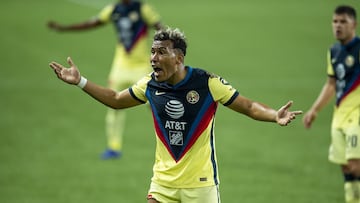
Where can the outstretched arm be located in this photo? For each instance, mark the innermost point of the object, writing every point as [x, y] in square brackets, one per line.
[326, 94]
[262, 112]
[107, 96]
[92, 23]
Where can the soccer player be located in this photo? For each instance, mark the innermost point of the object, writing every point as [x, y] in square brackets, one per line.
[183, 101]
[132, 20]
[343, 82]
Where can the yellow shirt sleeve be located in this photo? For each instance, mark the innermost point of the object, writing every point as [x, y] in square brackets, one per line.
[150, 16]
[330, 70]
[105, 13]
[220, 89]
[139, 88]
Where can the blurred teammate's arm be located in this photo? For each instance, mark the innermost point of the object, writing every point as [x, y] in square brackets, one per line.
[92, 23]
[326, 94]
[151, 17]
[102, 18]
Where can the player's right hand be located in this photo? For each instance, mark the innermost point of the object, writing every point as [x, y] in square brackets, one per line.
[69, 75]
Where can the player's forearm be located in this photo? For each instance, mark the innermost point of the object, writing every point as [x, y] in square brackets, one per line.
[320, 103]
[262, 112]
[326, 94]
[254, 110]
[104, 95]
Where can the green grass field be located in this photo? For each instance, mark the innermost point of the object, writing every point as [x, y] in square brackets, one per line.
[51, 134]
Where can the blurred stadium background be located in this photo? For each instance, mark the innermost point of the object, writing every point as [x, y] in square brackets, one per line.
[51, 134]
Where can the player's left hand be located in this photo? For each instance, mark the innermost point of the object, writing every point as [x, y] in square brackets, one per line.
[284, 116]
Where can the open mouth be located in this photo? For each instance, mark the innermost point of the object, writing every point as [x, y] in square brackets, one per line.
[156, 71]
[338, 32]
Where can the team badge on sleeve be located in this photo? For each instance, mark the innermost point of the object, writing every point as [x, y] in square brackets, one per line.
[223, 81]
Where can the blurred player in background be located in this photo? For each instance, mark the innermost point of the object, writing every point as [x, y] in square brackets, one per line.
[183, 101]
[132, 20]
[343, 82]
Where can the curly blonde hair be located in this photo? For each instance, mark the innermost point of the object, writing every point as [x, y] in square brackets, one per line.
[175, 36]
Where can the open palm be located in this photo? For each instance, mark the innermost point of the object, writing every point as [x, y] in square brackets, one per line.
[69, 75]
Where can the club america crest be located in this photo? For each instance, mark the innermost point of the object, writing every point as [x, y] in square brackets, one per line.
[349, 61]
[192, 97]
[134, 16]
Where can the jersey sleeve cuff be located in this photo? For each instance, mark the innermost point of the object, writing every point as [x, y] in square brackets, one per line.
[231, 99]
[134, 96]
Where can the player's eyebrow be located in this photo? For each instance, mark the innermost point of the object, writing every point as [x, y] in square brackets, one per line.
[161, 48]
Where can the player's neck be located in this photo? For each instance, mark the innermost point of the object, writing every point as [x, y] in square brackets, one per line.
[179, 75]
[348, 40]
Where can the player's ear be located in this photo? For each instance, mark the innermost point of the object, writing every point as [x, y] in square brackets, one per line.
[179, 57]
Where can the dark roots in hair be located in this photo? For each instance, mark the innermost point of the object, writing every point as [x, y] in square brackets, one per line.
[175, 36]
